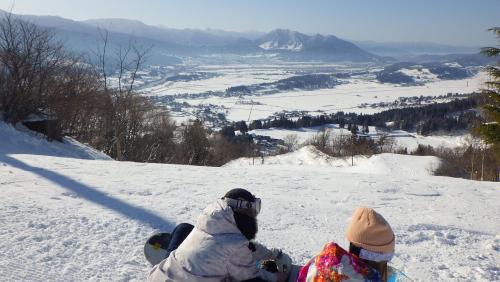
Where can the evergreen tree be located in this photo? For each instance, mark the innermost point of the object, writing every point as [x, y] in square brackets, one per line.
[354, 129]
[228, 132]
[256, 124]
[241, 126]
[490, 130]
[366, 130]
[342, 123]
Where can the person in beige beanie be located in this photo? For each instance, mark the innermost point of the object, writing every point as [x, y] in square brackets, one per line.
[371, 247]
[370, 231]
[371, 239]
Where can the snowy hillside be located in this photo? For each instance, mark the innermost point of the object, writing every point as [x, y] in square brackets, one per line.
[420, 75]
[305, 156]
[24, 141]
[309, 156]
[402, 139]
[70, 219]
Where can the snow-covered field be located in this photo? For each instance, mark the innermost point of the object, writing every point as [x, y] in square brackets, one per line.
[234, 74]
[346, 97]
[402, 139]
[70, 219]
[238, 75]
[355, 94]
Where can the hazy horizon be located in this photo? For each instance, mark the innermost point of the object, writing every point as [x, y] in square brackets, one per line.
[443, 22]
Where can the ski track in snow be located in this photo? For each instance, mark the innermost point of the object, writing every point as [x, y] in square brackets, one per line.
[68, 219]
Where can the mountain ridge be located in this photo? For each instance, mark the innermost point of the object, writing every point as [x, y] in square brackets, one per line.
[188, 42]
[171, 42]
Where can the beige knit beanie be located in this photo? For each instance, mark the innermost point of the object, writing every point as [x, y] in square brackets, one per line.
[370, 231]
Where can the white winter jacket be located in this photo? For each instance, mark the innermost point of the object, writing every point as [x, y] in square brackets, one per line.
[214, 251]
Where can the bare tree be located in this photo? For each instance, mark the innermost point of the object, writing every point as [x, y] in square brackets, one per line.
[101, 54]
[321, 140]
[75, 100]
[37, 76]
[385, 144]
[30, 59]
[127, 112]
[472, 144]
[291, 142]
[194, 145]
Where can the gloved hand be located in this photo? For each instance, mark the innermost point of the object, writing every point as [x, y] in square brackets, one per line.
[283, 261]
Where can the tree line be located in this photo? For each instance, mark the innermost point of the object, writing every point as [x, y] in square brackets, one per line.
[454, 115]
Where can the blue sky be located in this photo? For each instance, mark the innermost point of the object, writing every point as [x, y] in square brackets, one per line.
[459, 22]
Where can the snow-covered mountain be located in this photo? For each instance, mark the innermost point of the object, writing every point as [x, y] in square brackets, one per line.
[169, 42]
[69, 219]
[322, 45]
[283, 39]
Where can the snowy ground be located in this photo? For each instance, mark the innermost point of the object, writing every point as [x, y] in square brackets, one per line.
[402, 139]
[69, 219]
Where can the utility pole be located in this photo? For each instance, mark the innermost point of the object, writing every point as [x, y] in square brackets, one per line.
[250, 114]
[352, 149]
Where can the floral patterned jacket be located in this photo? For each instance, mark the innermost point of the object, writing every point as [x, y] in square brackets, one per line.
[334, 264]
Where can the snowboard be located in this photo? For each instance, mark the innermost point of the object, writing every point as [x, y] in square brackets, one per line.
[397, 275]
[155, 249]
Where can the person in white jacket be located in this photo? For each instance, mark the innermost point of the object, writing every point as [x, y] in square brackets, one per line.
[220, 247]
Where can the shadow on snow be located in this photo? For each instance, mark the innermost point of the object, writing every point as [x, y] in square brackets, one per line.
[93, 195]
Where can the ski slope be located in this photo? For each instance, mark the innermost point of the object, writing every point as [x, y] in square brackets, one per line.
[66, 218]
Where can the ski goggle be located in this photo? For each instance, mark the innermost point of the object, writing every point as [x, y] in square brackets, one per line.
[255, 206]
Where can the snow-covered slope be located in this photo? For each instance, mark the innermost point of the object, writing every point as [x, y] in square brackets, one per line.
[23, 141]
[68, 219]
[402, 165]
[305, 156]
[309, 156]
